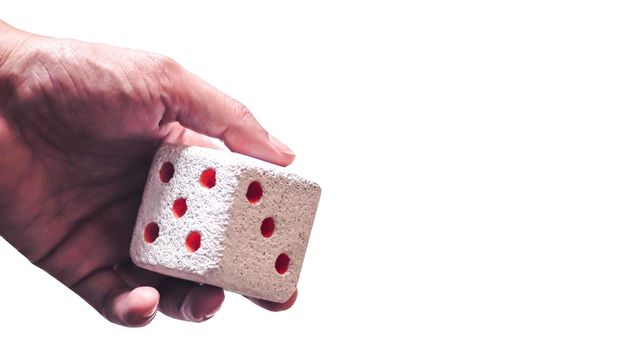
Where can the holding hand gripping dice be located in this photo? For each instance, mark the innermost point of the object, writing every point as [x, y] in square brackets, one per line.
[225, 219]
[79, 126]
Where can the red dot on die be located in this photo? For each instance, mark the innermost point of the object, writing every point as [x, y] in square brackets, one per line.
[193, 241]
[282, 263]
[254, 192]
[152, 231]
[208, 178]
[179, 207]
[267, 227]
[166, 172]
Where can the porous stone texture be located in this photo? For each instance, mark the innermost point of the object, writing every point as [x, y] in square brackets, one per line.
[233, 253]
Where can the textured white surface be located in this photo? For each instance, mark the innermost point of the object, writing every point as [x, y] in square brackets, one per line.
[233, 253]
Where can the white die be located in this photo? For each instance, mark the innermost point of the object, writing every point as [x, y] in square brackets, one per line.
[225, 219]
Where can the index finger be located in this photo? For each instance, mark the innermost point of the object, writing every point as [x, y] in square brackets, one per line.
[201, 107]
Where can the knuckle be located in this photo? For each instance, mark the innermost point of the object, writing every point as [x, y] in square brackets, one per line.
[166, 73]
[240, 112]
[244, 114]
[165, 64]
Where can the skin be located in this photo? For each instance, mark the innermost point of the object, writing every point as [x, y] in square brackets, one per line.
[79, 125]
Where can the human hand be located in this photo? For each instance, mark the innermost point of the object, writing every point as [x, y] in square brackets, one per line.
[79, 124]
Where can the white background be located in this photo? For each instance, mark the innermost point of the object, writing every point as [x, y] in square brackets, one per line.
[469, 154]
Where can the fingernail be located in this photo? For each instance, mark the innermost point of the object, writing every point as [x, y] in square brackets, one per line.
[211, 314]
[153, 315]
[280, 146]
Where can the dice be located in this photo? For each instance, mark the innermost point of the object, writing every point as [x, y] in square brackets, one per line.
[224, 219]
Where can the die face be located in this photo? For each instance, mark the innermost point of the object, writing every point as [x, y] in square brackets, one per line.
[267, 237]
[182, 204]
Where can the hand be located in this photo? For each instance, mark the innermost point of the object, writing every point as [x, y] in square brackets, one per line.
[79, 124]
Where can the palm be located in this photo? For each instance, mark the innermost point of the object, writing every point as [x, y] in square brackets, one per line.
[83, 122]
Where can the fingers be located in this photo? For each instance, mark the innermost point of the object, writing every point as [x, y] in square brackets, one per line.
[136, 307]
[272, 306]
[116, 301]
[173, 292]
[179, 299]
[183, 136]
[135, 276]
[204, 109]
[189, 301]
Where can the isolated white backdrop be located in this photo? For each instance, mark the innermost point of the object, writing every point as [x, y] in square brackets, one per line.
[469, 153]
